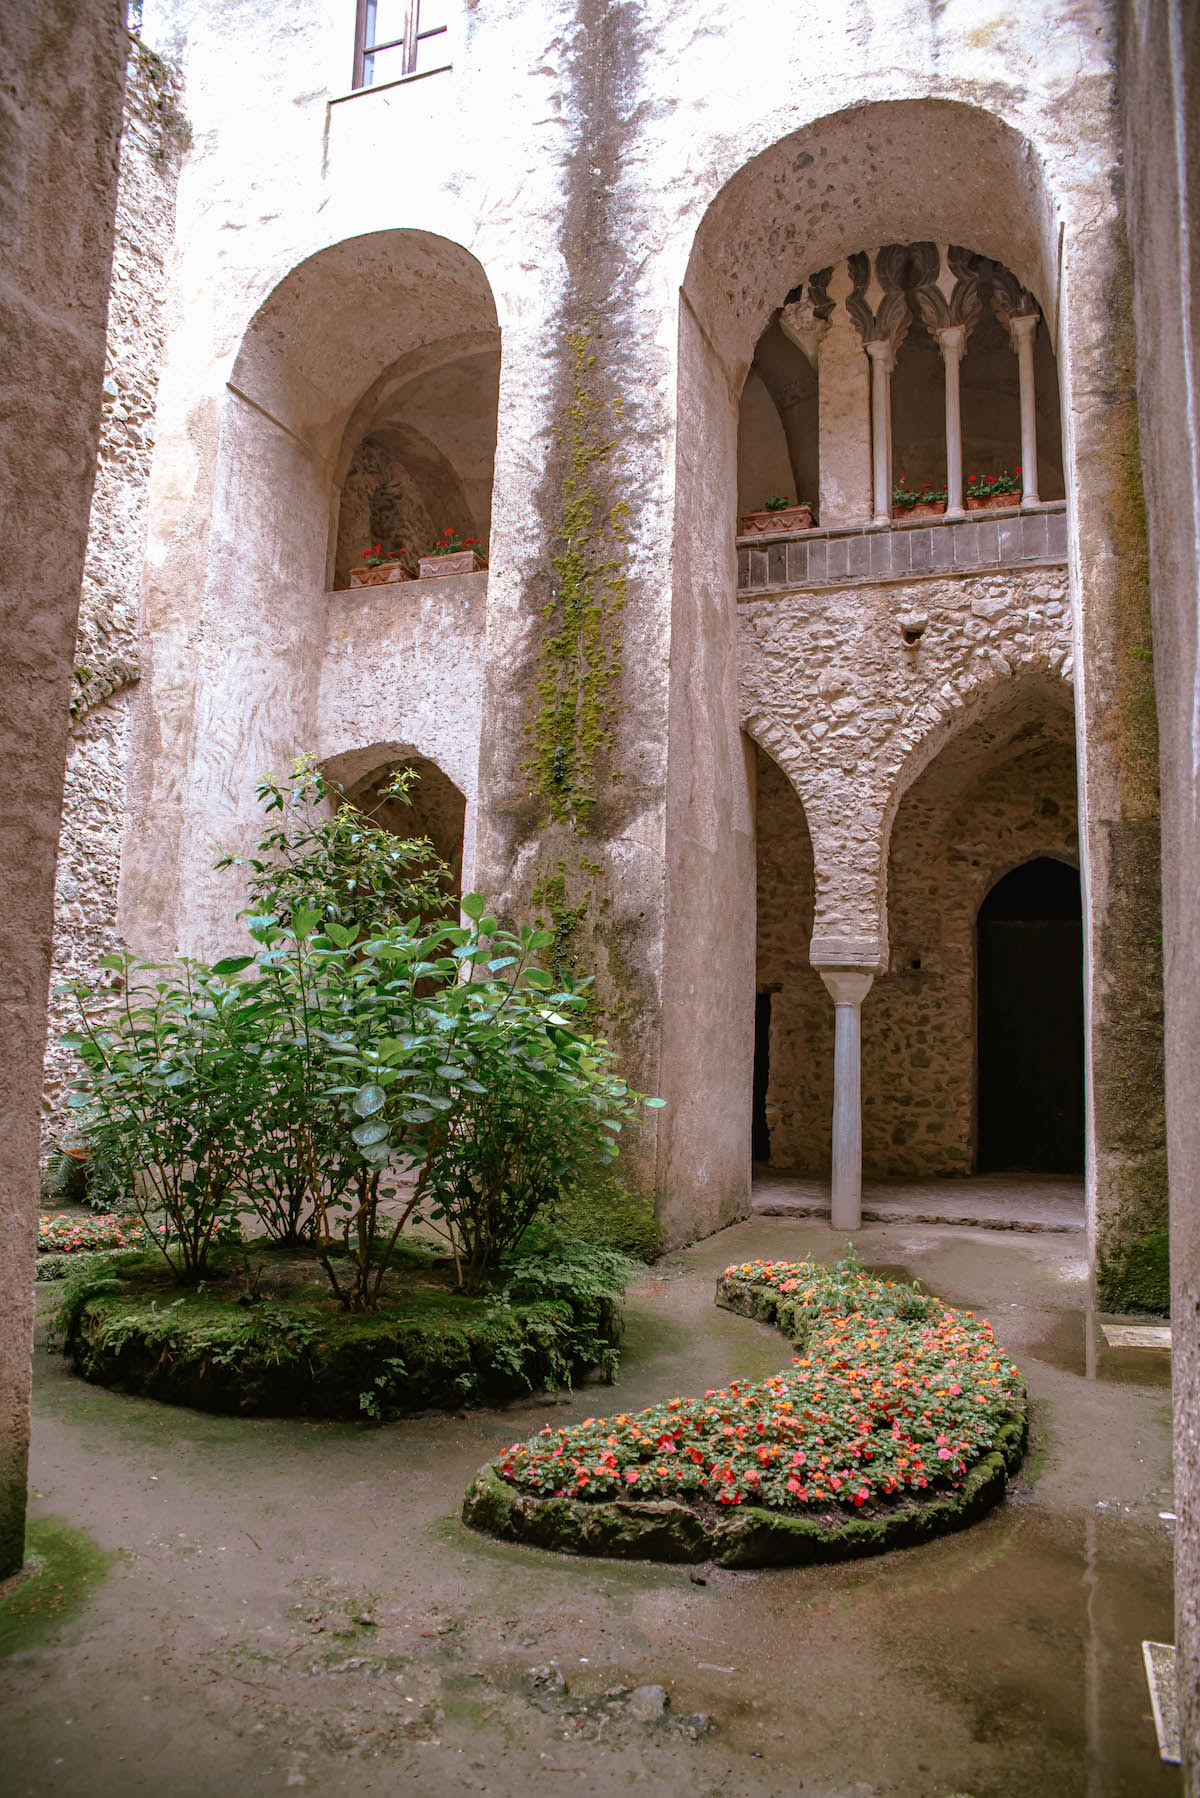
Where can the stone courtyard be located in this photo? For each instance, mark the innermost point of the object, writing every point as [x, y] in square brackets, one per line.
[293, 1605]
[600, 689]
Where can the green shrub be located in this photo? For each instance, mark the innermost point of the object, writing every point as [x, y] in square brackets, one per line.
[330, 856]
[308, 1078]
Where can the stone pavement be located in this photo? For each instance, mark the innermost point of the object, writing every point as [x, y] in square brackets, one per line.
[986, 1201]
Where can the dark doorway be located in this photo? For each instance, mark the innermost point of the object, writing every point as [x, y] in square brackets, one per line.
[760, 1136]
[1031, 1022]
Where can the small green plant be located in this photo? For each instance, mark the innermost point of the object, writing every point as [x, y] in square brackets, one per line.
[333, 857]
[76, 1175]
[775, 502]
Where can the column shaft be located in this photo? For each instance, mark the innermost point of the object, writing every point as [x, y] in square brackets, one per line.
[848, 988]
[882, 364]
[953, 340]
[1024, 330]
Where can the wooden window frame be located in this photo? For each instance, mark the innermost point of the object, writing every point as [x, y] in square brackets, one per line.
[408, 44]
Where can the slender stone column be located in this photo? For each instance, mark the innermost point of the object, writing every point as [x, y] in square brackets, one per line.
[953, 341]
[849, 987]
[883, 361]
[1024, 330]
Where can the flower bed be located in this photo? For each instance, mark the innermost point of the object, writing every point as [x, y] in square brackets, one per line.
[899, 1419]
[70, 1234]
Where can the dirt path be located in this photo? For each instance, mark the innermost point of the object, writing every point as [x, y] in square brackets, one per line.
[297, 1605]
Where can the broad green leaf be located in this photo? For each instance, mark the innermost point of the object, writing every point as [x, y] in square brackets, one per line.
[233, 964]
[537, 977]
[374, 1130]
[304, 922]
[474, 905]
[368, 1099]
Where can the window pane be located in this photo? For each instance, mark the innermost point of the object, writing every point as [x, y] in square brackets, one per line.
[433, 52]
[387, 65]
[385, 21]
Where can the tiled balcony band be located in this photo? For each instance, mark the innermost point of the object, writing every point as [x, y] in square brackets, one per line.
[943, 546]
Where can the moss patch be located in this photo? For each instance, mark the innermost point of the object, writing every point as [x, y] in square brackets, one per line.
[607, 1211]
[293, 1352]
[63, 1568]
[1139, 1277]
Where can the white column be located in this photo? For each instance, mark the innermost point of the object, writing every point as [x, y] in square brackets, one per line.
[1024, 330]
[849, 987]
[953, 341]
[883, 361]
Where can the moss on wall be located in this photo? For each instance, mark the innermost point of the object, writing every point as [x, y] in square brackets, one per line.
[1138, 1278]
[580, 664]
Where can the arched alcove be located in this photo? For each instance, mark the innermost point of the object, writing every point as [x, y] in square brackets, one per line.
[436, 807]
[793, 1067]
[878, 174]
[383, 348]
[364, 333]
[999, 794]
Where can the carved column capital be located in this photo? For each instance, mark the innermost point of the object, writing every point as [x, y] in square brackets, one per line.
[947, 288]
[877, 301]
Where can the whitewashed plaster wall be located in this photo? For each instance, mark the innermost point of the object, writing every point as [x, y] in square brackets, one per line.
[594, 161]
[402, 674]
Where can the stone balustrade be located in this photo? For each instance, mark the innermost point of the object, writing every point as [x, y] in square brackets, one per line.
[1019, 537]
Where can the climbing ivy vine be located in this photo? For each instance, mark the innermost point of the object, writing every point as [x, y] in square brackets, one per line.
[580, 662]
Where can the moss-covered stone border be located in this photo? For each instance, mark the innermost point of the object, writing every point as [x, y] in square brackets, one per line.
[272, 1361]
[677, 1530]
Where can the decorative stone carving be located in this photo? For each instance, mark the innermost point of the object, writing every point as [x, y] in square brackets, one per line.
[887, 318]
[947, 286]
[1010, 300]
[804, 319]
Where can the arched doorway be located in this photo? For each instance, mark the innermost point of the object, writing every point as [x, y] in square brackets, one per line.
[1030, 960]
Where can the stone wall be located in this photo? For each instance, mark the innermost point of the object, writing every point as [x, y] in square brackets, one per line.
[107, 657]
[60, 112]
[1161, 103]
[853, 714]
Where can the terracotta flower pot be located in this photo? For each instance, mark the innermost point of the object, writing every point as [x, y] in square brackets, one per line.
[769, 524]
[381, 576]
[991, 502]
[461, 561]
[927, 508]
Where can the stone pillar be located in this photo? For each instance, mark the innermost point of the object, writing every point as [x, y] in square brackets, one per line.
[878, 305]
[848, 987]
[64, 77]
[953, 340]
[1160, 64]
[882, 364]
[844, 415]
[1024, 330]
